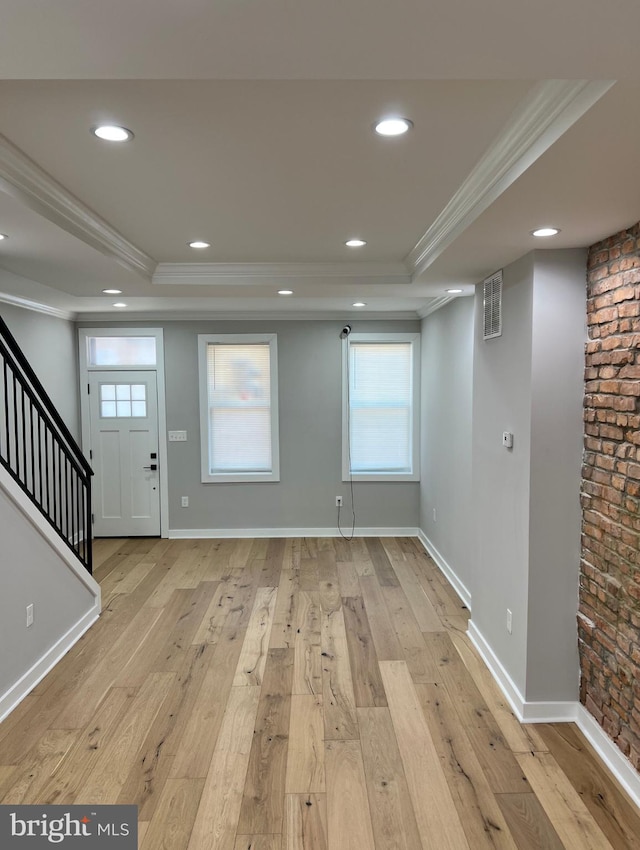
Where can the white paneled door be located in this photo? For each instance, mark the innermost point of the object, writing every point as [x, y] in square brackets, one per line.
[124, 446]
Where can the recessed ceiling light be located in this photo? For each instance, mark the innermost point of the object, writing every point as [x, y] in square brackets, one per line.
[545, 231]
[454, 291]
[355, 243]
[112, 133]
[393, 126]
[112, 291]
[199, 244]
[359, 304]
[119, 304]
[285, 292]
[3, 236]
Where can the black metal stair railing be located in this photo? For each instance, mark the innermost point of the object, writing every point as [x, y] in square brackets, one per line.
[39, 452]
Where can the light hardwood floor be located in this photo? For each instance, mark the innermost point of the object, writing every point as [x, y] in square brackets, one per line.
[301, 694]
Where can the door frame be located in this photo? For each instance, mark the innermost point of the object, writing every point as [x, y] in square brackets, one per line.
[84, 369]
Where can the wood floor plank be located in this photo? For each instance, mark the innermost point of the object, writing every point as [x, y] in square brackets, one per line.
[145, 659]
[340, 719]
[86, 698]
[480, 814]
[419, 660]
[392, 816]
[436, 815]
[273, 562]
[231, 593]
[172, 653]
[283, 630]
[221, 800]
[348, 579]
[349, 824]
[444, 600]
[253, 657]
[568, 814]
[109, 774]
[610, 807]
[305, 757]
[258, 842]
[381, 563]
[529, 823]
[424, 612]
[365, 672]
[309, 574]
[498, 761]
[307, 665]
[194, 748]
[64, 784]
[33, 772]
[520, 737]
[171, 828]
[263, 800]
[305, 825]
[384, 636]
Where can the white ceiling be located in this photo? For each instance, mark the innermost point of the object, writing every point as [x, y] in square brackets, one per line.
[253, 130]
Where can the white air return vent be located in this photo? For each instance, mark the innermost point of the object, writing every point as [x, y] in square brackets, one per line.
[493, 306]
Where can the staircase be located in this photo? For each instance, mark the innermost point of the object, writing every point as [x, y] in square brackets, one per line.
[40, 454]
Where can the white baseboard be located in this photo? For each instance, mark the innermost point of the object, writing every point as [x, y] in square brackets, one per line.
[446, 569]
[570, 711]
[617, 763]
[504, 680]
[189, 533]
[24, 685]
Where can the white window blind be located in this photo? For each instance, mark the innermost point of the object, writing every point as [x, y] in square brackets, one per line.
[381, 407]
[238, 403]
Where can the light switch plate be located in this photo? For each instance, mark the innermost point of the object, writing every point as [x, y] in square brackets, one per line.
[177, 436]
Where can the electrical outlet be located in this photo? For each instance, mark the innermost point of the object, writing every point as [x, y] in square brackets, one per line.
[30, 615]
[435, 517]
[509, 620]
[185, 501]
[338, 501]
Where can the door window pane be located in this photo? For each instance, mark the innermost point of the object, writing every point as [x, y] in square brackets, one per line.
[116, 401]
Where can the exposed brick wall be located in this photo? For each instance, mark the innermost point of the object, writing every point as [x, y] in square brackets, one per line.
[609, 618]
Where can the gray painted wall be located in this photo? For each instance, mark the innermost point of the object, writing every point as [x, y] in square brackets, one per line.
[559, 335]
[447, 384]
[530, 381]
[51, 347]
[500, 477]
[309, 379]
[32, 572]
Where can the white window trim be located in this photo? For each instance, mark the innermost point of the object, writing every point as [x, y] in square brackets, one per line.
[414, 475]
[242, 339]
[83, 337]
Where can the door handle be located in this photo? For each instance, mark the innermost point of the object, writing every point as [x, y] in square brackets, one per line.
[153, 466]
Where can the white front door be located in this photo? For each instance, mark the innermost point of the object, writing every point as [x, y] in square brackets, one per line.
[124, 453]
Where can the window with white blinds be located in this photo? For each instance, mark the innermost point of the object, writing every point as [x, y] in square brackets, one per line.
[238, 408]
[380, 410]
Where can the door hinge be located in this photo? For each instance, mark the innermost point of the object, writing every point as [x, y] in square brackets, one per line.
[90, 454]
[88, 389]
[93, 518]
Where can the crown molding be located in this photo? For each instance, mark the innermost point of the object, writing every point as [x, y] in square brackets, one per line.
[239, 316]
[247, 274]
[26, 304]
[25, 180]
[543, 116]
[434, 305]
